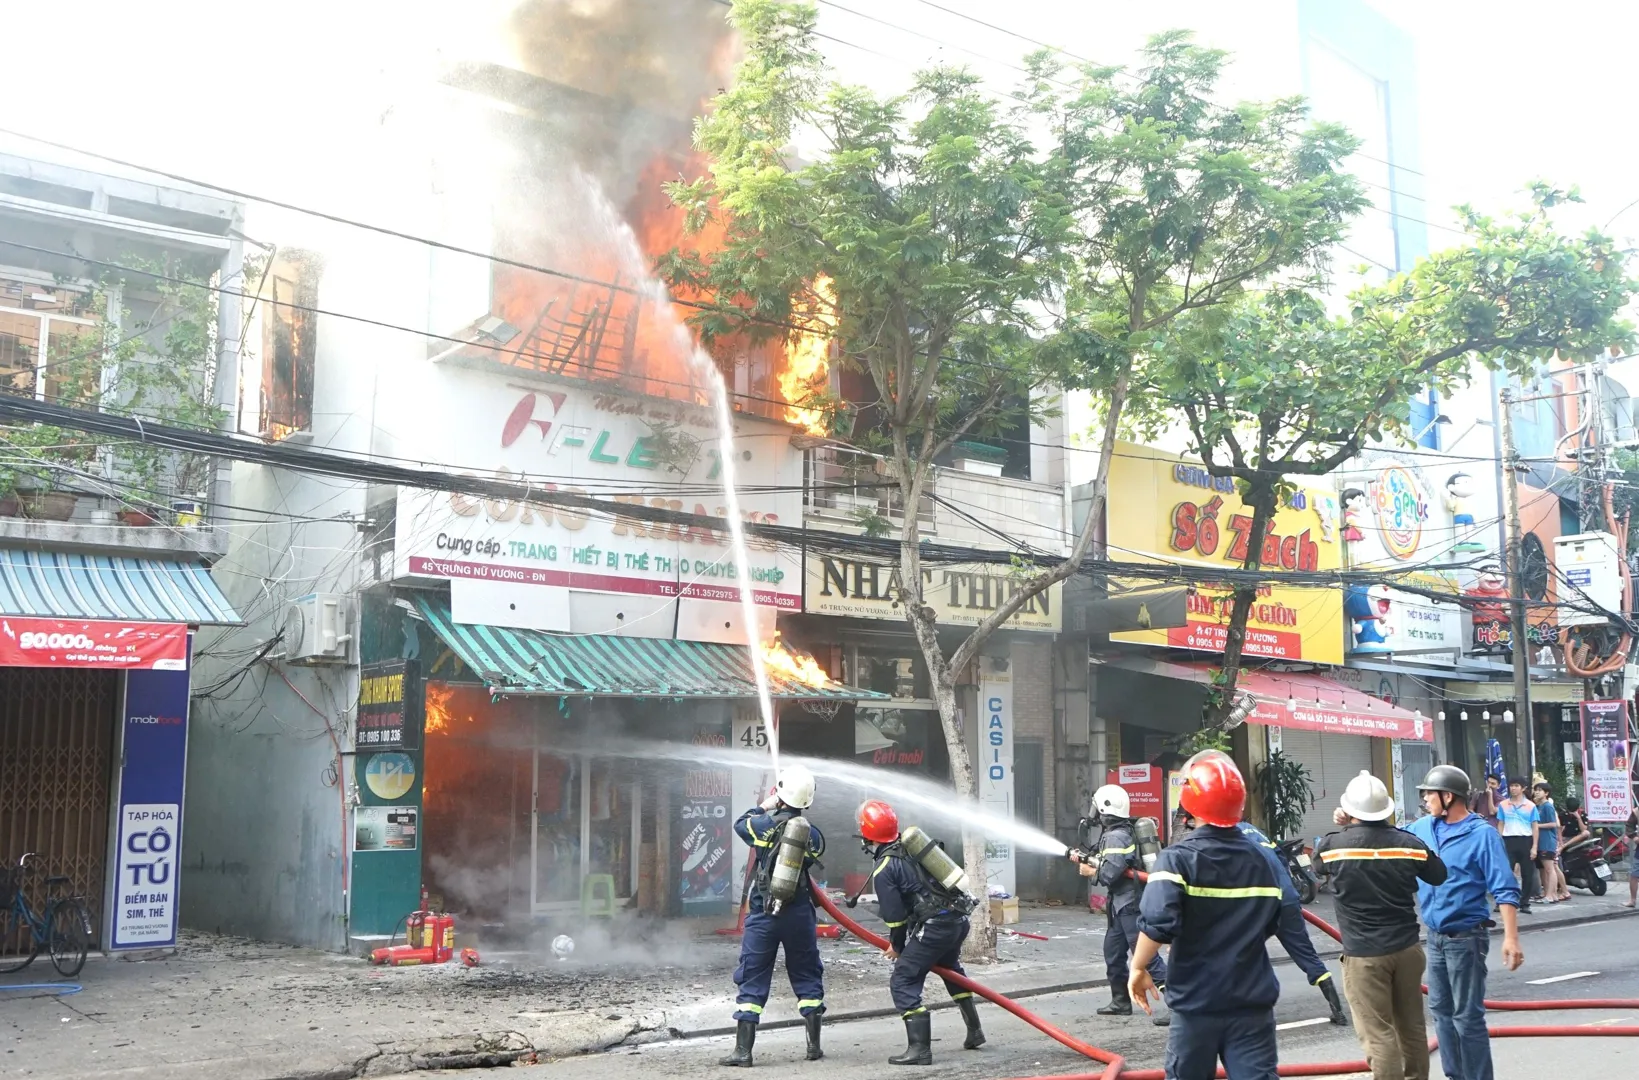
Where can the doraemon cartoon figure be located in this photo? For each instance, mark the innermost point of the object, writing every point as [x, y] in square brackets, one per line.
[1354, 514]
[1368, 613]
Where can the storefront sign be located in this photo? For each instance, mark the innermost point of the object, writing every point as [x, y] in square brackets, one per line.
[995, 766]
[588, 441]
[78, 643]
[1169, 509]
[391, 705]
[892, 739]
[1145, 786]
[386, 828]
[961, 595]
[705, 832]
[154, 754]
[391, 776]
[1609, 792]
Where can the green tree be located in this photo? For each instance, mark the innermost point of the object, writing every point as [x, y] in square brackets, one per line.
[948, 236]
[1274, 387]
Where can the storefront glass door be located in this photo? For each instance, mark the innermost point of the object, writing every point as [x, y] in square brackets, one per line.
[585, 821]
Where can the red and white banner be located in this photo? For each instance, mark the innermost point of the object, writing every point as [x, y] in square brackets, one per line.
[79, 643]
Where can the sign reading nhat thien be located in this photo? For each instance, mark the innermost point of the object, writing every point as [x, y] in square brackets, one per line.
[961, 595]
[1163, 507]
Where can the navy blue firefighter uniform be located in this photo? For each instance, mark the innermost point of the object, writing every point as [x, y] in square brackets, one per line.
[794, 928]
[1216, 898]
[1293, 934]
[926, 927]
[1117, 860]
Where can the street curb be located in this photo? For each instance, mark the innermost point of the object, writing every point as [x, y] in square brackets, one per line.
[1094, 984]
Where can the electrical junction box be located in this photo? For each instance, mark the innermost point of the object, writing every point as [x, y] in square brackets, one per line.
[1590, 574]
[318, 629]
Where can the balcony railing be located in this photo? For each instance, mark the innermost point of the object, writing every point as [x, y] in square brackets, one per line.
[850, 484]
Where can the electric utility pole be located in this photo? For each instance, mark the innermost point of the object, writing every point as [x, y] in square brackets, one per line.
[1519, 630]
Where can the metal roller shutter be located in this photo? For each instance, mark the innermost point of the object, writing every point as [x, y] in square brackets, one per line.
[1332, 760]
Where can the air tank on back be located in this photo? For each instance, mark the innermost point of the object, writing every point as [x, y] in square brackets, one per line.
[920, 846]
[786, 873]
[1147, 837]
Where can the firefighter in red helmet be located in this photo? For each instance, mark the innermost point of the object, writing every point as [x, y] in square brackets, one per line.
[920, 894]
[1215, 897]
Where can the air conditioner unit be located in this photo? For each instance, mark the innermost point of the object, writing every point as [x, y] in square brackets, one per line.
[1590, 569]
[319, 629]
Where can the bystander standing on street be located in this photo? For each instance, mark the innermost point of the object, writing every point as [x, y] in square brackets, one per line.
[1485, 802]
[1517, 821]
[1375, 869]
[1633, 858]
[1546, 848]
[1458, 918]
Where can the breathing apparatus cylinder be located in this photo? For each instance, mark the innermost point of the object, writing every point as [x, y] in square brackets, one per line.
[940, 866]
[1147, 837]
[786, 872]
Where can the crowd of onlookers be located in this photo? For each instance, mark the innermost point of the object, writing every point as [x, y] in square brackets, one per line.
[1534, 833]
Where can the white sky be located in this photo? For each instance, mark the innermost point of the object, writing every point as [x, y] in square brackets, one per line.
[289, 100]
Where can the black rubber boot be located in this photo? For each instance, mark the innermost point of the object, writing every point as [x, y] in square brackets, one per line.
[970, 1016]
[811, 1023]
[1328, 990]
[1120, 1003]
[744, 1036]
[918, 1041]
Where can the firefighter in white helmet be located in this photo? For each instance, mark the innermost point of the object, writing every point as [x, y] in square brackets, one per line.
[1111, 865]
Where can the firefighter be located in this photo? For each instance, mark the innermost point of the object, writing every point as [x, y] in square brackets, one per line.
[1215, 897]
[926, 909]
[793, 925]
[1111, 866]
[1293, 934]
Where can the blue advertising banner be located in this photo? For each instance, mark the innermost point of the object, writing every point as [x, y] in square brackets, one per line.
[152, 771]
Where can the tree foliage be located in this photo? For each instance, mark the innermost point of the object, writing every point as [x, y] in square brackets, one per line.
[1275, 386]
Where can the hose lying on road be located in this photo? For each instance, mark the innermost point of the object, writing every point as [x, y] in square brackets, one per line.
[1115, 1065]
[51, 989]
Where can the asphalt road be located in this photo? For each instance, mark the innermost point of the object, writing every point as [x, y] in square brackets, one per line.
[860, 1048]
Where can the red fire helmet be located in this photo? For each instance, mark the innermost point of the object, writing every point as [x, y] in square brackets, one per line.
[877, 822]
[1214, 792]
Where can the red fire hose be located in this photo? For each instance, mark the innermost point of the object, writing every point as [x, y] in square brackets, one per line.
[1114, 1064]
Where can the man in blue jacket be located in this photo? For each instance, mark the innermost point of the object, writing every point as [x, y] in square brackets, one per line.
[1458, 917]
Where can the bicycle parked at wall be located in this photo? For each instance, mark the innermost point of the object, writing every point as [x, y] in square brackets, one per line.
[62, 927]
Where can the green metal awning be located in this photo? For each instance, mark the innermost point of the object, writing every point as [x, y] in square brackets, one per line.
[609, 665]
[65, 585]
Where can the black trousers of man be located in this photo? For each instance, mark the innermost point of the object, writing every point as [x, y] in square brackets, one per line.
[1519, 855]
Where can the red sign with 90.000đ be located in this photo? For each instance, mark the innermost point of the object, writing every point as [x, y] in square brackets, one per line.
[76, 643]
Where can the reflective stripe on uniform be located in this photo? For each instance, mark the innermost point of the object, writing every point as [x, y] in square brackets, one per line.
[1247, 893]
[915, 1012]
[962, 995]
[1128, 850]
[895, 925]
[1323, 978]
[881, 865]
[1417, 854]
[748, 1007]
[810, 1003]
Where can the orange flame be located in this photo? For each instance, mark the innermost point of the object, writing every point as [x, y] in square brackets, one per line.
[808, 361]
[438, 707]
[797, 666]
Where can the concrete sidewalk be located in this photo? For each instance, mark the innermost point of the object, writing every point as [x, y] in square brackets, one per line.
[230, 1009]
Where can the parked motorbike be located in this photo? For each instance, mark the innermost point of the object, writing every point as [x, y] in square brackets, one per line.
[1301, 867]
[1585, 865]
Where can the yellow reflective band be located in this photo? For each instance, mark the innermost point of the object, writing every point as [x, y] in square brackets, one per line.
[1415, 854]
[895, 925]
[808, 1003]
[880, 865]
[1252, 893]
[760, 843]
[1165, 875]
[1128, 850]
[962, 996]
[1323, 978]
[916, 1011]
[747, 1006]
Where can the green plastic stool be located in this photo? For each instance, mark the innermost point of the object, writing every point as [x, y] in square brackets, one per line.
[593, 905]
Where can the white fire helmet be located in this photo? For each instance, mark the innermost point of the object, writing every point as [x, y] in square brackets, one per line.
[795, 787]
[1367, 798]
[1111, 801]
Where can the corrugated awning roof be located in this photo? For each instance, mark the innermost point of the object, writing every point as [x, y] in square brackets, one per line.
[62, 584]
[609, 665]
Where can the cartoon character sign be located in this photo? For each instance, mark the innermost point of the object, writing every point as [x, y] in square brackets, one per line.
[1354, 515]
[1459, 495]
[1490, 613]
[1368, 613]
[1326, 507]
